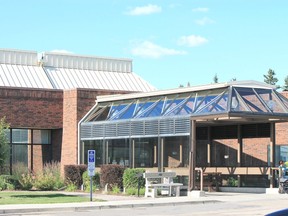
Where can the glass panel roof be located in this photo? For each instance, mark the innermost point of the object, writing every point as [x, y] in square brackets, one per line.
[230, 99]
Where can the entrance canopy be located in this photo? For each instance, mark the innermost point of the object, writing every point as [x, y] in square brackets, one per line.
[168, 113]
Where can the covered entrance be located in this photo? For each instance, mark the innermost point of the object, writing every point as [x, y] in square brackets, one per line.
[221, 128]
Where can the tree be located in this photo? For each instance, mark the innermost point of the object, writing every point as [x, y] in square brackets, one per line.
[285, 87]
[4, 146]
[215, 78]
[270, 77]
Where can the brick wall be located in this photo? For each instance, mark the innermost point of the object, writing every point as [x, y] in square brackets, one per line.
[76, 104]
[31, 108]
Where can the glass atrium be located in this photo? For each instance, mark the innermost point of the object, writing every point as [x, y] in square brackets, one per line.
[153, 130]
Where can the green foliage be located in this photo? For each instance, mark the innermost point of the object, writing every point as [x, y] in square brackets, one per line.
[7, 182]
[130, 178]
[49, 178]
[285, 87]
[26, 181]
[71, 187]
[4, 146]
[95, 181]
[2, 183]
[22, 175]
[215, 78]
[112, 174]
[134, 191]
[232, 182]
[73, 174]
[115, 189]
[270, 77]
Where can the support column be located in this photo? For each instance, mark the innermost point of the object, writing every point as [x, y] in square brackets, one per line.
[239, 151]
[192, 155]
[107, 159]
[272, 153]
[160, 159]
[133, 153]
[209, 147]
[162, 154]
[240, 146]
[155, 154]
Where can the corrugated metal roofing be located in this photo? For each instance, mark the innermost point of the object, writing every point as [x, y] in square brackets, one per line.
[64, 78]
[59, 71]
[23, 76]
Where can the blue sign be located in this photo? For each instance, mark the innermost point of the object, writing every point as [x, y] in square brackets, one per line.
[91, 156]
[91, 162]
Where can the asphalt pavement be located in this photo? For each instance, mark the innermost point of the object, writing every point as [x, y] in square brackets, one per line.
[121, 201]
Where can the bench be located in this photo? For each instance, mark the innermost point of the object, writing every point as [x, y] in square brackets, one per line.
[160, 180]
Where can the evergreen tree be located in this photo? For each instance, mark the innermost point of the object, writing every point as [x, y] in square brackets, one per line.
[215, 79]
[285, 87]
[4, 146]
[270, 77]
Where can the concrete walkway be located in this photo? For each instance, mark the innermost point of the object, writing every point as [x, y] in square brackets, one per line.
[119, 201]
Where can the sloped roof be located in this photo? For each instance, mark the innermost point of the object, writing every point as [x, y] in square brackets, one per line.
[67, 71]
[169, 112]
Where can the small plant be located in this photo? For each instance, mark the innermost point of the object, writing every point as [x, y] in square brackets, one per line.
[134, 191]
[95, 181]
[232, 182]
[115, 189]
[71, 187]
[26, 181]
[7, 182]
[132, 176]
[49, 178]
[2, 183]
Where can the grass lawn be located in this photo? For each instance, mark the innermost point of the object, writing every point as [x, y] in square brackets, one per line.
[39, 197]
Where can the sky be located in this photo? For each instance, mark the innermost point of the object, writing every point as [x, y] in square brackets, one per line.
[171, 42]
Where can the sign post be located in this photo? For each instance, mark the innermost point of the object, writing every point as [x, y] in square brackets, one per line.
[91, 169]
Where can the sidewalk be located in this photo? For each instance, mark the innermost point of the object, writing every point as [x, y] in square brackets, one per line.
[116, 201]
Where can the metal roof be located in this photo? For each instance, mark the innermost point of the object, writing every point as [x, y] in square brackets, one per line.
[67, 71]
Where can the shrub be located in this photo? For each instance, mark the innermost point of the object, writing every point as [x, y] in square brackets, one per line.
[73, 174]
[95, 181]
[26, 181]
[115, 189]
[134, 191]
[71, 187]
[2, 183]
[232, 182]
[130, 178]
[49, 178]
[44, 181]
[111, 174]
[21, 176]
[7, 182]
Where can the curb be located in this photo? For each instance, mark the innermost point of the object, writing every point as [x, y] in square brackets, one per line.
[52, 208]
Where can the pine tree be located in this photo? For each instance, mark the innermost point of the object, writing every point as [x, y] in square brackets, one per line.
[285, 87]
[215, 79]
[270, 77]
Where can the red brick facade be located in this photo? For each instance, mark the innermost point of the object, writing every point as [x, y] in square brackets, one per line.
[30, 108]
[76, 104]
[60, 111]
[57, 110]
